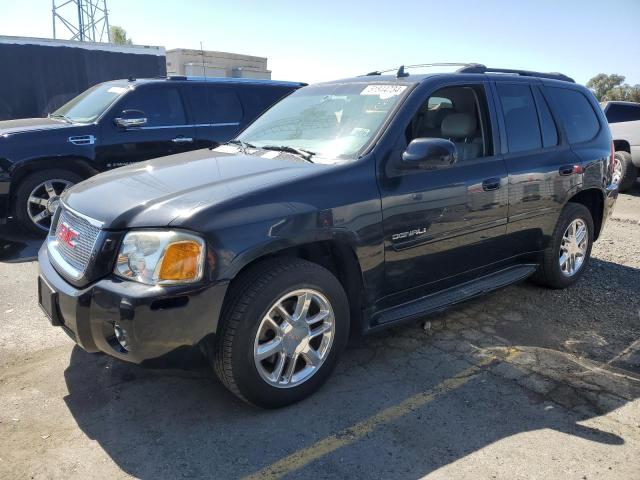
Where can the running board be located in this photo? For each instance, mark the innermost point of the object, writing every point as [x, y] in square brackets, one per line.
[441, 300]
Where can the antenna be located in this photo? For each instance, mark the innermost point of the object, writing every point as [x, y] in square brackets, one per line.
[204, 68]
[84, 20]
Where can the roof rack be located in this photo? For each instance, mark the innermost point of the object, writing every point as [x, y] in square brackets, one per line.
[478, 68]
[474, 68]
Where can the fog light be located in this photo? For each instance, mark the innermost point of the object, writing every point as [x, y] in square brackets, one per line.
[121, 336]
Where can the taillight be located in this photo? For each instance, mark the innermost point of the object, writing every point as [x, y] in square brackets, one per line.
[612, 159]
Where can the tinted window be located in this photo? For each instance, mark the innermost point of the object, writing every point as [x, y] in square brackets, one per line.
[199, 112]
[623, 113]
[547, 125]
[578, 117]
[520, 116]
[225, 105]
[162, 106]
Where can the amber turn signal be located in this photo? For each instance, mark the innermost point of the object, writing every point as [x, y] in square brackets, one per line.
[181, 261]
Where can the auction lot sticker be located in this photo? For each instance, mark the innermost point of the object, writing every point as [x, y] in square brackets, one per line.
[384, 91]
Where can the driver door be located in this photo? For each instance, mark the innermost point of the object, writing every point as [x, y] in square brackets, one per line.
[441, 225]
[166, 132]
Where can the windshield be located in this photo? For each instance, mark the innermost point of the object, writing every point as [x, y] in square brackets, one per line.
[334, 122]
[90, 104]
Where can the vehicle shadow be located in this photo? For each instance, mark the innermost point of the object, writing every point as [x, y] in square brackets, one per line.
[401, 404]
[16, 245]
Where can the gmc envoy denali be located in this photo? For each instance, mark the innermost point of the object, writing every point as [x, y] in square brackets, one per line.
[347, 207]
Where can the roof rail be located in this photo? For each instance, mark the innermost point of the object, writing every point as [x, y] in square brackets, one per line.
[478, 68]
[475, 68]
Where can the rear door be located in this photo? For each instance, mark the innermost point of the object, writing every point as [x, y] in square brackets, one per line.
[540, 164]
[165, 133]
[217, 113]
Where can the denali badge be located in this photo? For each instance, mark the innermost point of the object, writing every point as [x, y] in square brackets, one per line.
[412, 233]
[67, 235]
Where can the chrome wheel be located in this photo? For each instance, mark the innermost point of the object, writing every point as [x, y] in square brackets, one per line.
[573, 249]
[43, 201]
[294, 338]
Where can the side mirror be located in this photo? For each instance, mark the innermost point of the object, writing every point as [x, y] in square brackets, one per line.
[430, 153]
[131, 119]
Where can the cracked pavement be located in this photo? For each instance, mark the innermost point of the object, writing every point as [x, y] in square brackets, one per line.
[523, 383]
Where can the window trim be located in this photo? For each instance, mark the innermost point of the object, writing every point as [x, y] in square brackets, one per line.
[560, 133]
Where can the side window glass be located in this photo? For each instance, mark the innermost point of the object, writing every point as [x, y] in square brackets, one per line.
[547, 124]
[520, 117]
[577, 114]
[197, 99]
[225, 105]
[614, 114]
[162, 106]
[458, 114]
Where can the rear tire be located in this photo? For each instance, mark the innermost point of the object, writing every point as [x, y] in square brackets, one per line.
[44, 186]
[253, 298]
[628, 171]
[551, 273]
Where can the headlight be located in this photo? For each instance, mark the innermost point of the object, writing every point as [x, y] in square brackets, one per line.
[161, 257]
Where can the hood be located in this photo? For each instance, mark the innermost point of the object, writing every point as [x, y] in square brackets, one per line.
[24, 125]
[159, 191]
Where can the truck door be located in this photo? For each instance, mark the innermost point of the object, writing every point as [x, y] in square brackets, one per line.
[440, 225]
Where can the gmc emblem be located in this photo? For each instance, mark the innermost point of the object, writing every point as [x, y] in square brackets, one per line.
[67, 235]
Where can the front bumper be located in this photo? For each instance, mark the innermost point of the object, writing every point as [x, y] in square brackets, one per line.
[157, 321]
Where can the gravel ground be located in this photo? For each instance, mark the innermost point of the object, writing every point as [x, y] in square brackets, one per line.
[523, 383]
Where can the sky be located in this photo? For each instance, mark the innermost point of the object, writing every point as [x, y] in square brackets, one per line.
[331, 39]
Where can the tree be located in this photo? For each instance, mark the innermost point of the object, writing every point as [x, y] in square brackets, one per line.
[612, 87]
[119, 35]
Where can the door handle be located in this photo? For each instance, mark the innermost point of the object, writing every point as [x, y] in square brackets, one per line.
[491, 184]
[182, 140]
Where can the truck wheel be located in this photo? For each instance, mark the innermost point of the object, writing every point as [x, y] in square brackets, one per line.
[569, 250]
[281, 332]
[38, 195]
[625, 171]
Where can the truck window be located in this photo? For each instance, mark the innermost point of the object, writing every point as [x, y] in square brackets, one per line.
[458, 114]
[547, 124]
[225, 105]
[162, 106]
[576, 113]
[617, 113]
[520, 117]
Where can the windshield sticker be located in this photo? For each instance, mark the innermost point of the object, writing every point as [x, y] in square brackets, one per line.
[384, 91]
[117, 90]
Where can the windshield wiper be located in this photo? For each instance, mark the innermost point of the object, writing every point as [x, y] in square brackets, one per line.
[301, 152]
[59, 115]
[243, 145]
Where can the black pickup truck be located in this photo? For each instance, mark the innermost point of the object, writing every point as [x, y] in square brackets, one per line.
[347, 207]
[117, 123]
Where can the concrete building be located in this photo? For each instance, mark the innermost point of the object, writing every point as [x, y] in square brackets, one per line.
[199, 63]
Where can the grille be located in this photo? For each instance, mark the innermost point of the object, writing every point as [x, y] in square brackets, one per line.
[85, 236]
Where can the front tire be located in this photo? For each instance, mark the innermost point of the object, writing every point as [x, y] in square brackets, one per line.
[37, 198]
[281, 332]
[567, 256]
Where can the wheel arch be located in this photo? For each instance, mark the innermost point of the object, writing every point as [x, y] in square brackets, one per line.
[593, 199]
[336, 256]
[621, 145]
[78, 165]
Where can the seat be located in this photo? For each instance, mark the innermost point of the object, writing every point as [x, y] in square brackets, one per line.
[462, 130]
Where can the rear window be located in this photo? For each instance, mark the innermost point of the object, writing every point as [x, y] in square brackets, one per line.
[578, 117]
[520, 117]
[623, 113]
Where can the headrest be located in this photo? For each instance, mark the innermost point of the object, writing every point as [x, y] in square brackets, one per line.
[458, 125]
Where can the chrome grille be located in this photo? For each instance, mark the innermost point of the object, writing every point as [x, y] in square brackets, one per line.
[85, 236]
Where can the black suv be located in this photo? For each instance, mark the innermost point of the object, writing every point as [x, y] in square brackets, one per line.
[349, 206]
[117, 123]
